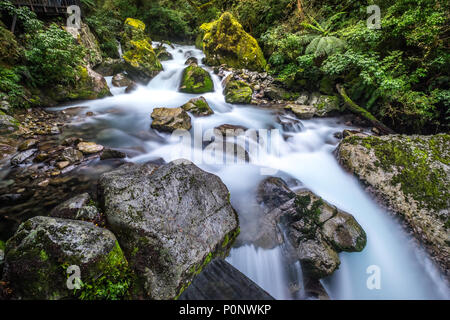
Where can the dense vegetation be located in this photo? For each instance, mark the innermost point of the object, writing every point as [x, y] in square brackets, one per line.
[399, 73]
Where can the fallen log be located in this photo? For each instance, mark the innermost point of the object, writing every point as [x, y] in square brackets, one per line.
[354, 108]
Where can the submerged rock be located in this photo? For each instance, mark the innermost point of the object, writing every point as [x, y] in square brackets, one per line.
[238, 92]
[27, 144]
[410, 175]
[112, 154]
[170, 220]
[198, 107]
[196, 80]
[121, 80]
[140, 59]
[170, 119]
[23, 156]
[225, 42]
[42, 249]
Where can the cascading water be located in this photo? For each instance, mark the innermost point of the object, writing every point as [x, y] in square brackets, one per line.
[123, 122]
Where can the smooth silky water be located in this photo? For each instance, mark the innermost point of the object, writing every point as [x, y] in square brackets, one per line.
[123, 122]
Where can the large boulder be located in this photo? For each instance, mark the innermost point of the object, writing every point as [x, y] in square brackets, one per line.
[170, 220]
[225, 42]
[170, 119]
[42, 249]
[410, 175]
[238, 92]
[8, 124]
[196, 80]
[141, 62]
[198, 107]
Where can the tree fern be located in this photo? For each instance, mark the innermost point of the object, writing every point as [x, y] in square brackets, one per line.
[324, 46]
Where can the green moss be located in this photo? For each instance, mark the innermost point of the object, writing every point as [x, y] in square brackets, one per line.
[238, 92]
[196, 80]
[2, 245]
[114, 281]
[411, 164]
[225, 42]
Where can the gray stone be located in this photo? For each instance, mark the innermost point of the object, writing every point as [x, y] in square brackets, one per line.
[170, 220]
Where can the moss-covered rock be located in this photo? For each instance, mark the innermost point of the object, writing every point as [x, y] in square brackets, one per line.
[38, 255]
[196, 80]
[238, 92]
[141, 61]
[226, 42]
[198, 107]
[7, 123]
[410, 174]
[89, 85]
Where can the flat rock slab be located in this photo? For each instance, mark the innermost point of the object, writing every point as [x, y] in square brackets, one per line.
[221, 281]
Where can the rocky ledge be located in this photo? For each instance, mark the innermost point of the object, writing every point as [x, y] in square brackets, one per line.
[410, 175]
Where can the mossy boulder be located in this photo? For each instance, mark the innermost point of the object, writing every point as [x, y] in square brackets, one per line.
[410, 175]
[10, 50]
[238, 92]
[196, 80]
[8, 124]
[89, 85]
[226, 42]
[141, 61]
[42, 249]
[171, 221]
[80, 207]
[198, 107]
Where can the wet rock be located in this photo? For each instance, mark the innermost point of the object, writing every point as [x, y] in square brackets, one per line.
[196, 80]
[89, 147]
[225, 42]
[112, 154]
[170, 119]
[43, 247]
[171, 221]
[301, 111]
[238, 92]
[72, 155]
[410, 176]
[231, 130]
[80, 207]
[22, 156]
[88, 40]
[162, 54]
[121, 80]
[191, 60]
[289, 123]
[7, 123]
[273, 192]
[27, 144]
[132, 87]
[198, 107]
[62, 164]
[109, 67]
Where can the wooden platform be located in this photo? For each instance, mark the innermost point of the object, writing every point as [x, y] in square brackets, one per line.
[47, 7]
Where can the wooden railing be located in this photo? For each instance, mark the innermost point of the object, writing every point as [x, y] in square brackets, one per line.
[50, 7]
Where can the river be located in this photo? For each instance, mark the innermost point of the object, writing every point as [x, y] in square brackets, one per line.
[405, 270]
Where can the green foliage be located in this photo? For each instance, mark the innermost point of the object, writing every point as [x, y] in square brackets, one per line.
[106, 25]
[54, 57]
[10, 85]
[25, 17]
